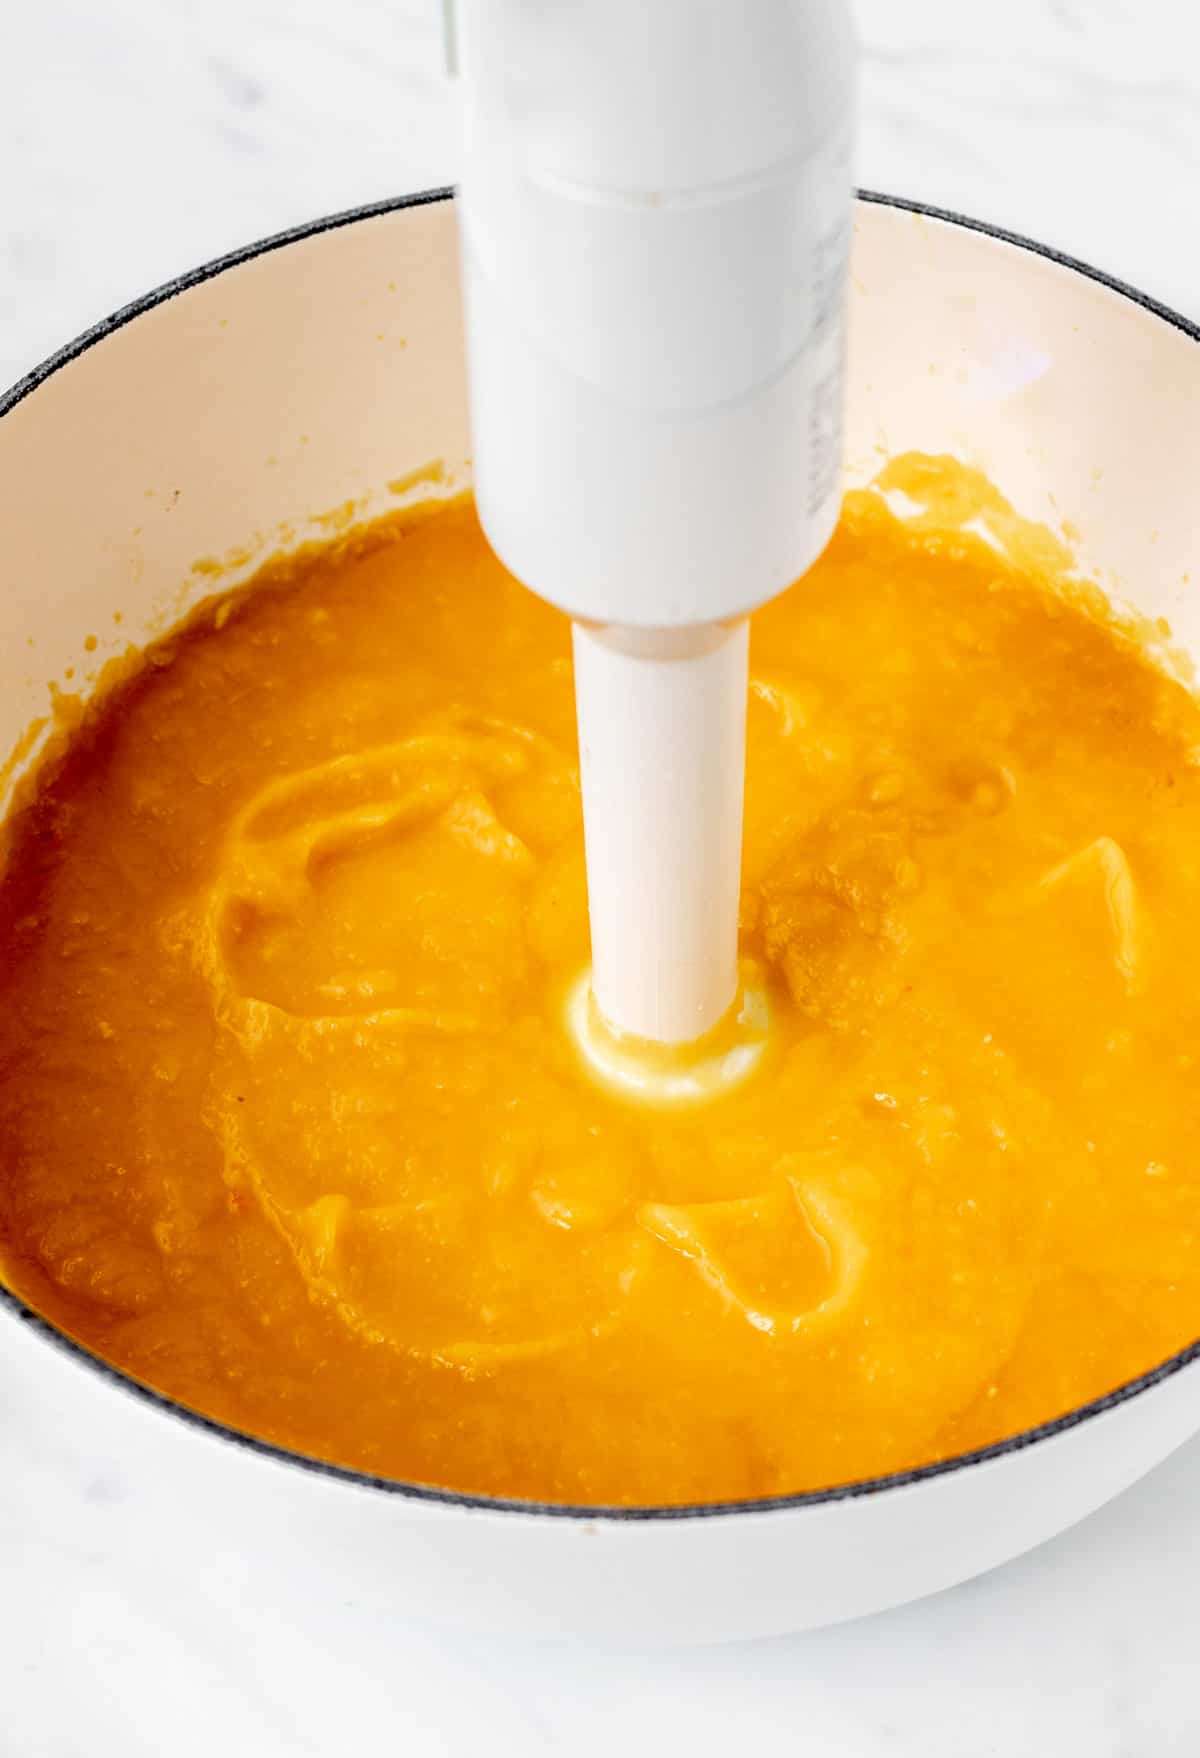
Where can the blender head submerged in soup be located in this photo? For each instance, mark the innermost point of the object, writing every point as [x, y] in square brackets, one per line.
[290, 1127]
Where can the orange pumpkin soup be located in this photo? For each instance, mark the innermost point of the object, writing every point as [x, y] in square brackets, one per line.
[290, 1127]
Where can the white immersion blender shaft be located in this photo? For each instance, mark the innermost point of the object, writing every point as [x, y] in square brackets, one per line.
[662, 740]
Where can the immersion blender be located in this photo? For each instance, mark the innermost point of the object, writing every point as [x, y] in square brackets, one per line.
[655, 211]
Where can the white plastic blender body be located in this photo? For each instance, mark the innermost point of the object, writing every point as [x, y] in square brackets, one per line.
[655, 217]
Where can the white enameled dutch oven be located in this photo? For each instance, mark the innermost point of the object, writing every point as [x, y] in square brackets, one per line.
[315, 369]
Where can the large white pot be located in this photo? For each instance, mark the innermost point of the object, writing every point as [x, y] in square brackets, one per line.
[319, 367]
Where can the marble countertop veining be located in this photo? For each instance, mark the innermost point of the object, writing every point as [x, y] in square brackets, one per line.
[139, 137]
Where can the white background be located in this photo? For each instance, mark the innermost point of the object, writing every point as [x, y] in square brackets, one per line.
[139, 137]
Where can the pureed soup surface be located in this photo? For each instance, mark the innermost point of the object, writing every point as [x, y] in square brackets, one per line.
[290, 1127]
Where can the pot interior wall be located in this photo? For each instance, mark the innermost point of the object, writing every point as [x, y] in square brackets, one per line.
[216, 424]
[223, 425]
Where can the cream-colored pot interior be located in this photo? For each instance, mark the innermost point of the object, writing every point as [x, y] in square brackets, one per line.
[213, 422]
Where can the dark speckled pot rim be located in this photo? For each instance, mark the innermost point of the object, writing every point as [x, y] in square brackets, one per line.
[415, 1492]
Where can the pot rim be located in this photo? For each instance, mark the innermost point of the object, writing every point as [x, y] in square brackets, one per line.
[41, 1327]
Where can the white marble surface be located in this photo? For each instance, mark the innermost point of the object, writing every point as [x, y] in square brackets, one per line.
[138, 137]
